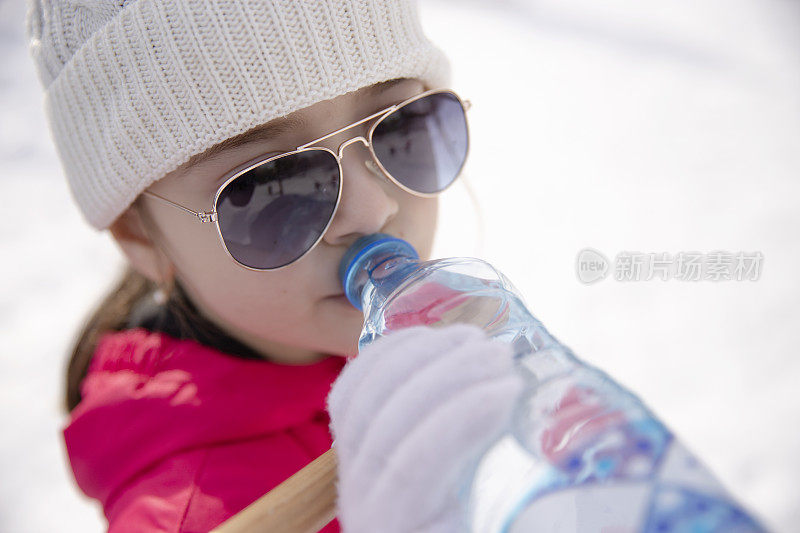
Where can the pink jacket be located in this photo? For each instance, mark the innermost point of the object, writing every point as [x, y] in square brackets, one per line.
[174, 436]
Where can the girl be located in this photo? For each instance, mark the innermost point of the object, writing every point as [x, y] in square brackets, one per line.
[200, 382]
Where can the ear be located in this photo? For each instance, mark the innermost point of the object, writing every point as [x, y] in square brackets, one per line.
[142, 252]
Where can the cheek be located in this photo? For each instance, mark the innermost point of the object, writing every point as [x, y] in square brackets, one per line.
[418, 224]
[259, 303]
[253, 301]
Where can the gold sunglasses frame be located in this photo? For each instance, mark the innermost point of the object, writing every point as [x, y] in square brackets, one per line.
[211, 216]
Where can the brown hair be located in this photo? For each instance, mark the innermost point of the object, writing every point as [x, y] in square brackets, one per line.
[110, 315]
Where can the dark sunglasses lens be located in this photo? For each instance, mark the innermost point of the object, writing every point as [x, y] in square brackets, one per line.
[423, 145]
[274, 213]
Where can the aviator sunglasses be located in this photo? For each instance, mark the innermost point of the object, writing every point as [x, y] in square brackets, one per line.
[273, 210]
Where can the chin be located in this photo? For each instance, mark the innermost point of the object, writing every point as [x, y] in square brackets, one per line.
[346, 338]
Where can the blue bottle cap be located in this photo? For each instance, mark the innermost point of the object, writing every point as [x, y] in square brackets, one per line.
[361, 252]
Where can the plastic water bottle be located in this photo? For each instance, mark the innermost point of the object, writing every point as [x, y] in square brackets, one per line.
[583, 454]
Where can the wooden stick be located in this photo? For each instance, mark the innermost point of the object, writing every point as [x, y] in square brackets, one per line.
[304, 503]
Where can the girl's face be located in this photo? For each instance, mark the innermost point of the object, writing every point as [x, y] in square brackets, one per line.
[295, 314]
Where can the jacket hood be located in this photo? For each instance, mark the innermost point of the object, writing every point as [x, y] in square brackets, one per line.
[148, 395]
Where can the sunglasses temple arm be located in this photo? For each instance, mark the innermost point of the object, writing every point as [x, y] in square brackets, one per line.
[202, 216]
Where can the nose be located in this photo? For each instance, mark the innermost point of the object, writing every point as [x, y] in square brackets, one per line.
[366, 205]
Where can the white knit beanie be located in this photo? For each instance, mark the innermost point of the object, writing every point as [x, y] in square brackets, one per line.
[134, 88]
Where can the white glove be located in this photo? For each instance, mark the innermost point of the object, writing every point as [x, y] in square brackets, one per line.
[411, 415]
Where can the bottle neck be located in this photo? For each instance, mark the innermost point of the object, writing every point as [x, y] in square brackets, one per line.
[385, 274]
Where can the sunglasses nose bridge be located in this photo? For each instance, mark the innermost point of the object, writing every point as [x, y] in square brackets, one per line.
[348, 142]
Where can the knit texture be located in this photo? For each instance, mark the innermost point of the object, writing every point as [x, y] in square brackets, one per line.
[134, 88]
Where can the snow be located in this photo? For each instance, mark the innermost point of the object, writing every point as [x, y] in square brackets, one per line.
[622, 126]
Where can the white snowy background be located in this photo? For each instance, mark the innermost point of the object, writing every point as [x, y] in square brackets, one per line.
[623, 125]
